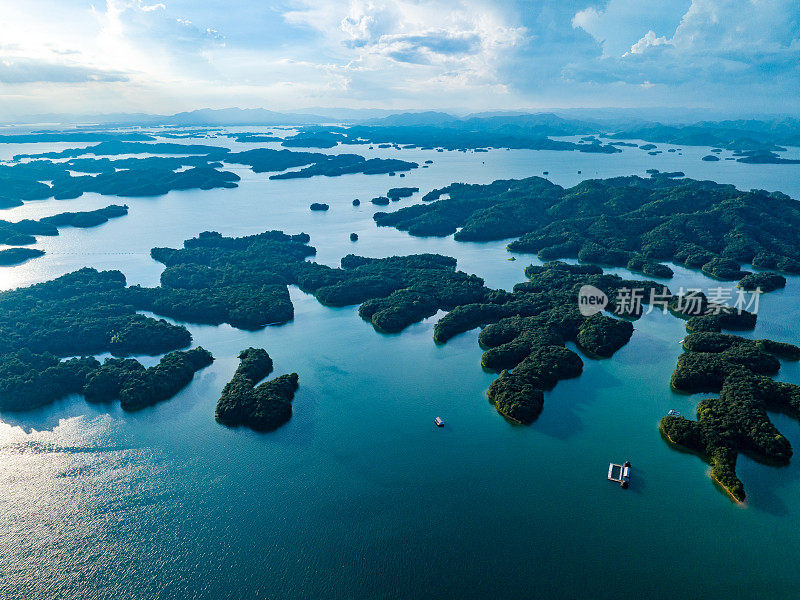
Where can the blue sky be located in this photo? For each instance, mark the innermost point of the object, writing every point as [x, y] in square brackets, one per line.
[171, 55]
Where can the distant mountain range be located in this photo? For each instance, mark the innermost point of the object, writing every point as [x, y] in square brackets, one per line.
[768, 133]
[201, 117]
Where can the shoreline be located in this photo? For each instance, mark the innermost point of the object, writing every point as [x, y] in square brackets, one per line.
[703, 457]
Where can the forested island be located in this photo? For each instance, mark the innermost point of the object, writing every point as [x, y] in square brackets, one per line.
[255, 138]
[743, 135]
[137, 387]
[525, 331]
[80, 314]
[260, 160]
[23, 233]
[449, 138]
[739, 369]
[314, 137]
[115, 147]
[243, 281]
[151, 176]
[16, 256]
[74, 136]
[625, 221]
[401, 192]
[263, 407]
[766, 282]
[763, 157]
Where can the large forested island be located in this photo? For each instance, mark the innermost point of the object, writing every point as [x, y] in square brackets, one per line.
[80, 314]
[738, 369]
[626, 221]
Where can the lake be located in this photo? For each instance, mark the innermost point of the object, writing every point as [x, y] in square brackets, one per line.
[360, 495]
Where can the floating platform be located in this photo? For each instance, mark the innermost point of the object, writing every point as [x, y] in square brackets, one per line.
[620, 474]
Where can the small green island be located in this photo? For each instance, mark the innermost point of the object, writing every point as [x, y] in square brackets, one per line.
[262, 407]
[765, 281]
[16, 256]
[401, 192]
[137, 387]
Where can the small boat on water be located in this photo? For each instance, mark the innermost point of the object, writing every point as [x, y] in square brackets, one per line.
[439, 422]
[620, 473]
[673, 413]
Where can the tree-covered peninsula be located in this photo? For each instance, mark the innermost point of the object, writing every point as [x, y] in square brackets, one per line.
[82, 314]
[263, 407]
[524, 332]
[137, 387]
[739, 370]
[624, 221]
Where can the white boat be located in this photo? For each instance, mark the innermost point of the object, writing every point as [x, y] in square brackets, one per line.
[439, 422]
[621, 474]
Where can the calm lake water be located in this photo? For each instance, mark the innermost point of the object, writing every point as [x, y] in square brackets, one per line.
[359, 495]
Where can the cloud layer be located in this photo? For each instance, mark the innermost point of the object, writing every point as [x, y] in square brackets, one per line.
[61, 55]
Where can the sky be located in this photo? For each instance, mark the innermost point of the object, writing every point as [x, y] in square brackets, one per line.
[165, 56]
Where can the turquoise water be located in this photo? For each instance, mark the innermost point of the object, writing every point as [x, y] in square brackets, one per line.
[359, 495]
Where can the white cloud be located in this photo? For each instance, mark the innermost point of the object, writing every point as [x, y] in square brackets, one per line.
[160, 55]
[403, 43]
[621, 23]
[713, 51]
[648, 41]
